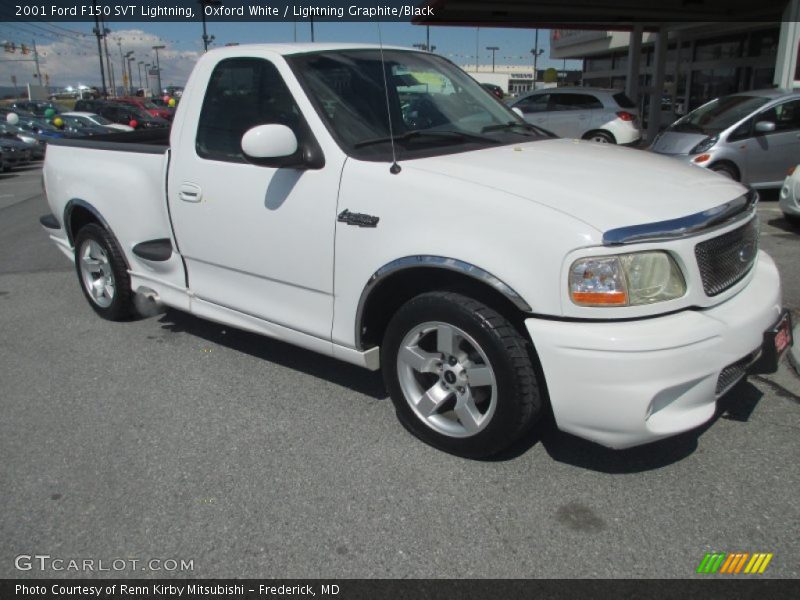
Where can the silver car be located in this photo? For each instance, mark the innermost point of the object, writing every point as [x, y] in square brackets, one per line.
[753, 137]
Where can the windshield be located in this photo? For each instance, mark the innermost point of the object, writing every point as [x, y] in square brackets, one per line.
[435, 107]
[100, 120]
[719, 114]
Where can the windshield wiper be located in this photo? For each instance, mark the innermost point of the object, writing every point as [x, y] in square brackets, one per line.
[410, 135]
[512, 125]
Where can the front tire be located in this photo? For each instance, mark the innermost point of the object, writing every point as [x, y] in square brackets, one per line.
[459, 375]
[725, 170]
[102, 273]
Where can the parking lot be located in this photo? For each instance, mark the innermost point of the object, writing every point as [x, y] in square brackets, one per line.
[175, 438]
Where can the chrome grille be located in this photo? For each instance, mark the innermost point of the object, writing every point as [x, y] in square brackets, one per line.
[726, 259]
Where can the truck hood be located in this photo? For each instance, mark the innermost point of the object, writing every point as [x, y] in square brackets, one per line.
[676, 142]
[603, 185]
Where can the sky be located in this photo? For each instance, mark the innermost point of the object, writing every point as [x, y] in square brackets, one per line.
[69, 50]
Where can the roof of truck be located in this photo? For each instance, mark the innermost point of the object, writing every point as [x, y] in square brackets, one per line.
[286, 49]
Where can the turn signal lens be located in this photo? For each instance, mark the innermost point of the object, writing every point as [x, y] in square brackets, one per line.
[702, 158]
[625, 280]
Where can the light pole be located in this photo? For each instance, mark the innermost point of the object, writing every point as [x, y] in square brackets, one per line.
[126, 70]
[139, 66]
[536, 51]
[158, 67]
[493, 49]
[207, 39]
[147, 77]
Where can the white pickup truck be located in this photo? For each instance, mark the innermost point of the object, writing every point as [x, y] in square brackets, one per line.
[378, 206]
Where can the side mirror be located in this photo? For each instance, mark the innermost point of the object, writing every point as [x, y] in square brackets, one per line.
[765, 127]
[269, 141]
[519, 112]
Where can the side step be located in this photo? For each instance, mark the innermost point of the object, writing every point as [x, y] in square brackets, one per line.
[49, 220]
[157, 250]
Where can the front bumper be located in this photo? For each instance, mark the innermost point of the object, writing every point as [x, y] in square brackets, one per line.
[626, 383]
[789, 199]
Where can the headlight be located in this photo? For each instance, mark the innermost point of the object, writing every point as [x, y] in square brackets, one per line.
[705, 145]
[625, 280]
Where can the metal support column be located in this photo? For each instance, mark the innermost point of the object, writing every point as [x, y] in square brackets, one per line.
[657, 89]
[786, 68]
[634, 61]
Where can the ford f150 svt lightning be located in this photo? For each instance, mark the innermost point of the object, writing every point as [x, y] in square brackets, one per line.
[378, 206]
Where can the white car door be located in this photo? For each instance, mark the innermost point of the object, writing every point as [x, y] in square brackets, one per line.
[254, 238]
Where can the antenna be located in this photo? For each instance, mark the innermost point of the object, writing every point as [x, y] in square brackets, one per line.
[395, 168]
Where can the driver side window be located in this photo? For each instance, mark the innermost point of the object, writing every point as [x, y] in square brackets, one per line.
[242, 93]
[533, 104]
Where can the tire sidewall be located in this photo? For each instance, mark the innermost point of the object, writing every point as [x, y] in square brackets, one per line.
[120, 306]
[508, 412]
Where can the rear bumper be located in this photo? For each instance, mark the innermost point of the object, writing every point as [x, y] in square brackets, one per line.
[627, 383]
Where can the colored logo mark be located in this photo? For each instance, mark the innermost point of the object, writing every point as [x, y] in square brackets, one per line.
[734, 563]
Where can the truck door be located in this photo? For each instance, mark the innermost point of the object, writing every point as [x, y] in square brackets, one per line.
[255, 239]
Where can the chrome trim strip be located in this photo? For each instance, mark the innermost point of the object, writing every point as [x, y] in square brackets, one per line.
[738, 209]
[441, 262]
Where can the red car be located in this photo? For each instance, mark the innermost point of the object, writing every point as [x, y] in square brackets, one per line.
[146, 105]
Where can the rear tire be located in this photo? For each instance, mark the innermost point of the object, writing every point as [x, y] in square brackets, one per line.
[460, 375]
[601, 137]
[102, 273]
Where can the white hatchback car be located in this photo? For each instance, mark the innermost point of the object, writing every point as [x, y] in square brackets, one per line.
[597, 114]
[789, 200]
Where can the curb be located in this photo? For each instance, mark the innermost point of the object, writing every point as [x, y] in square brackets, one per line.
[794, 351]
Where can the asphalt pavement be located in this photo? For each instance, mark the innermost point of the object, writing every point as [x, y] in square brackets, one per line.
[174, 438]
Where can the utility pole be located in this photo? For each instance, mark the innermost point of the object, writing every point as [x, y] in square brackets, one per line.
[141, 85]
[312, 28]
[122, 61]
[130, 58]
[493, 49]
[111, 81]
[477, 55]
[36, 60]
[158, 67]
[428, 38]
[98, 33]
[147, 78]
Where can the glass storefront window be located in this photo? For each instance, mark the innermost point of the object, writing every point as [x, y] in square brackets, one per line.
[719, 48]
[763, 43]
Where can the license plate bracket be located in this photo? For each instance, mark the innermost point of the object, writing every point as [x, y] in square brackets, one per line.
[777, 340]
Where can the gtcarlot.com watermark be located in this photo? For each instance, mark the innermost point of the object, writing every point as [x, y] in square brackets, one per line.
[45, 562]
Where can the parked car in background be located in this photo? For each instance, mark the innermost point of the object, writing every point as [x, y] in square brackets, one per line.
[789, 200]
[597, 114]
[16, 152]
[494, 89]
[124, 114]
[82, 128]
[89, 118]
[38, 143]
[752, 137]
[175, 91]
[41, 127]
[35, 108]
[148, 106]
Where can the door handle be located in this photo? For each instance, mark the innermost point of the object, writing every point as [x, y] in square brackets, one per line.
[190, 192]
